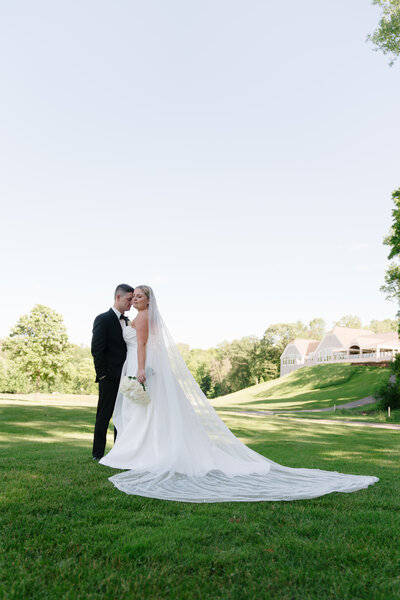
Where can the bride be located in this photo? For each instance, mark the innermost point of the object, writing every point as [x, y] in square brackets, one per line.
[176, 447]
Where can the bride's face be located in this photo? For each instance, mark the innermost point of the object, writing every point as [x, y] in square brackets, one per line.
[139, 300]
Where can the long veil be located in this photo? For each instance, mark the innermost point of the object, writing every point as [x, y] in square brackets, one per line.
[193, 456]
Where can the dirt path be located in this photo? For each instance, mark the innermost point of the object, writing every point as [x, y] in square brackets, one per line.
[354, 404]
[322, 421]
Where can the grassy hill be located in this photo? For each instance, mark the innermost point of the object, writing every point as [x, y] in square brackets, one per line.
[311, 387]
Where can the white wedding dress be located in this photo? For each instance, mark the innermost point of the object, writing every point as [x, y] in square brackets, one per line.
[177, 448]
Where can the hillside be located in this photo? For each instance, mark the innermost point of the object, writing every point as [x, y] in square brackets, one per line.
[311, 387]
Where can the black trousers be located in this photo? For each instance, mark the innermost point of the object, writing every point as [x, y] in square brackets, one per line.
[105, 407]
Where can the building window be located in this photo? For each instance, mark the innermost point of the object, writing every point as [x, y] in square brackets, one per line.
[324, 355]
[290, 359]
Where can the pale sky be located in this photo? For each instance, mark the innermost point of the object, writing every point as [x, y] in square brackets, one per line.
[237, 155]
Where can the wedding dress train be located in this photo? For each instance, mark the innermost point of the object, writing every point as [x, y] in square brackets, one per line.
[177, 448]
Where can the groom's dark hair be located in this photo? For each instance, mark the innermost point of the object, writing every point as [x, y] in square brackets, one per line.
[123, 289]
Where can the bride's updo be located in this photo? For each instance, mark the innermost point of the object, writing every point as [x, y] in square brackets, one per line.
[145, 289]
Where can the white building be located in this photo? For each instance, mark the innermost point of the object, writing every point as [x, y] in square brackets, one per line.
[341, 344]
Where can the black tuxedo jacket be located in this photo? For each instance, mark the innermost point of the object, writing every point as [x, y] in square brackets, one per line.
[108, 346]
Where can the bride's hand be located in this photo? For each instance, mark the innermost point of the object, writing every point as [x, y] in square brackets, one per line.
[141, 376]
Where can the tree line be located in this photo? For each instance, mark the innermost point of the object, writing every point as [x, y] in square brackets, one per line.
[38, 357]
[232, 366]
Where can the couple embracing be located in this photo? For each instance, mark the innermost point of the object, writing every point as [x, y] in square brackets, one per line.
[175, 446]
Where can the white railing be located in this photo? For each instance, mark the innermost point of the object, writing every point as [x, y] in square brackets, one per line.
[363, 357]
[310, 362]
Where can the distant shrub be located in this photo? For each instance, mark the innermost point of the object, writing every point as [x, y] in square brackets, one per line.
[389, 394]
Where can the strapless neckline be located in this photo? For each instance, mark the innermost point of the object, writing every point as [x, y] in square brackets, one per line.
[129, 333]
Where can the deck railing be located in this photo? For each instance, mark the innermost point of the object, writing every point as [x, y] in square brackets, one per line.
[362, 357]
[298, 363]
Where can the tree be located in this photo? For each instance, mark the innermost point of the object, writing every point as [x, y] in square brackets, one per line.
[263, 368]
[199, 364]
[392, 275]
[219, 371]
[387, 35]
[383, 326]
[389, 393]
[81, 378]
[349, 321]
[3, 375]
[316, 329]
[239, 354]
[184, 350]
[277, 336]
[83, 381]
[38, 346]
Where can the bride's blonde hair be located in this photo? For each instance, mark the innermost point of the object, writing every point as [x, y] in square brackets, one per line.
[145, 289]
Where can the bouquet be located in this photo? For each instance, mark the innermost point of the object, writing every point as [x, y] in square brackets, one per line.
[133, 390]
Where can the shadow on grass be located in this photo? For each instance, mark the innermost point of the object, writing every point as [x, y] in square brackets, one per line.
[318, 377]
[53, 434]
[48, 423]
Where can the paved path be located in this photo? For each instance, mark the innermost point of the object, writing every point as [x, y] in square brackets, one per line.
[323, 421]
[354, 404]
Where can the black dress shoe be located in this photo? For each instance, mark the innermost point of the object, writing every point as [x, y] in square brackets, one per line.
[96, 458]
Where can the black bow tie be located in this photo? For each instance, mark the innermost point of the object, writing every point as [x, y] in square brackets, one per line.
[124, 318]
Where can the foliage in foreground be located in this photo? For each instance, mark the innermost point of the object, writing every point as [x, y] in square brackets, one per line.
[392, 275]
[386, 36]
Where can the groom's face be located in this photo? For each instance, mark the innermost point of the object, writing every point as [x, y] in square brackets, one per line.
[123, 302]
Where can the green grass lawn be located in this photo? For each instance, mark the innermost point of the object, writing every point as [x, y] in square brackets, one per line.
[311, 387]
[68, 533]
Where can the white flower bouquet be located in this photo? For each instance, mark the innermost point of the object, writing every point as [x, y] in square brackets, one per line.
[133, 390]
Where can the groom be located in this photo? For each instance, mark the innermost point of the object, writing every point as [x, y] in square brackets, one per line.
[109, 353]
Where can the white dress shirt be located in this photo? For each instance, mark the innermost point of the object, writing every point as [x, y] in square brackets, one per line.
[122, 322]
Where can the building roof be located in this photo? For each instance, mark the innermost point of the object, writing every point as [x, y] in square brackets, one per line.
[313, 345]
[347, 336]
[364, 338]
[304, 346]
